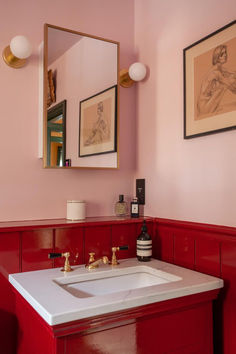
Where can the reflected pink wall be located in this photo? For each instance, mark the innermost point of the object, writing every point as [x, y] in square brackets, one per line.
[185, 179]
[27, 190]
[84, 70]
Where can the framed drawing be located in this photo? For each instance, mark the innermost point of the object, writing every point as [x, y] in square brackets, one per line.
[97, 123]
[210, 83]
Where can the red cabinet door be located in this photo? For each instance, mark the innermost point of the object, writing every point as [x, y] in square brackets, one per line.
[97, 240]
[184, 248]
[69, 240]
[164, 245]
[9, 252]
[124, 235]
[36, 245]
[207, 251]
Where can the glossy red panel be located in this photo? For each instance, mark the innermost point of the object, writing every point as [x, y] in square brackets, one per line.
[34, 335]
[8, 332]
[8, 320]
[184, 249]
[9, 263]
[69, 240]
[187, 332]
[9, 252]
[207, 255]
[98, 240]
[228, 258]
[164, 245]
[36, 245]
[123, 235]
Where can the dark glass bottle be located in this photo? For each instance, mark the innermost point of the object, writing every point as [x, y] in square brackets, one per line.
[144, 245]
[134, 212]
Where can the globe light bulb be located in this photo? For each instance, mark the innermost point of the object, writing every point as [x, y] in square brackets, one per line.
[20, 47]
[137, 71]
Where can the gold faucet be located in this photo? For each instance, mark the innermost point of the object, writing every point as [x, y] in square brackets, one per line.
[67, 267]
[92, 263]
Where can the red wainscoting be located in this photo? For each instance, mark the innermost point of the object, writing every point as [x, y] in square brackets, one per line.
[9, 263]
[205, 248]
[208, 249]
[24, 246]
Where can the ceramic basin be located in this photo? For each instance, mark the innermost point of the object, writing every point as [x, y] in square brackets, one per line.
[112, 281]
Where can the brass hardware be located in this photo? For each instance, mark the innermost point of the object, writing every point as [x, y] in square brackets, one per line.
[124, 78]
[91, 257]
[94, 264]
[11, 60]
[67, 267]
[114, 261]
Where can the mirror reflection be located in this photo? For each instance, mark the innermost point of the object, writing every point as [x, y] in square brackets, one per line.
[80, 118]
[56, 135]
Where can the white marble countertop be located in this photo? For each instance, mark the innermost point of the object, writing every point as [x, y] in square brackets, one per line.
[56, 305]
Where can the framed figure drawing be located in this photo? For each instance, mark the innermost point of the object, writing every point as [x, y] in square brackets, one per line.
[210, 83]
[97, 123]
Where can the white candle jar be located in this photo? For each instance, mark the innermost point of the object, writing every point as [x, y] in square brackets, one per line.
[75, 209]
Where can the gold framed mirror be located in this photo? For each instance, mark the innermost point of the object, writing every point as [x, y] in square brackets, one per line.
[81, 100]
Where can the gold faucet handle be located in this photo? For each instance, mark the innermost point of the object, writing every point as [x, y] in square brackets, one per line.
[67, 267]
[114, 261]
[91, 257]
[105, 260]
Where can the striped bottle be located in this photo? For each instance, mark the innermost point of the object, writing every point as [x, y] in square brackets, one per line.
[144, 245]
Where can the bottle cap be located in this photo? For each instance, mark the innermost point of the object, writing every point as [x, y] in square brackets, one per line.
[121, 198]
[144, 227]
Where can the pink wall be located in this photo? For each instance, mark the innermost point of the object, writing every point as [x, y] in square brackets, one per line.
[185, 179]
[27, 190]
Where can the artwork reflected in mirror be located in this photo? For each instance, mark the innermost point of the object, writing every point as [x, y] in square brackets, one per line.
[81, 68]
[56, 135]
[98, 124]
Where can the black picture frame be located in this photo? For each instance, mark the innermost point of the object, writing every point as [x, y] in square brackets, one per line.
[98, 123]
[210, 84]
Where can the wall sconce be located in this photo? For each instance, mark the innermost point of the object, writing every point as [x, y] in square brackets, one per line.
[136, 72]
[17, 52]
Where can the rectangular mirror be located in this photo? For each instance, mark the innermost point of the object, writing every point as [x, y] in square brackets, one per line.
[80, 100]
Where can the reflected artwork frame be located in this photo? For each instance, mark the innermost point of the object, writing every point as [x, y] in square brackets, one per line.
[98, 123]
[210, 83]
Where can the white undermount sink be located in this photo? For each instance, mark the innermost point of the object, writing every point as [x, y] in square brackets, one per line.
[115, 280]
